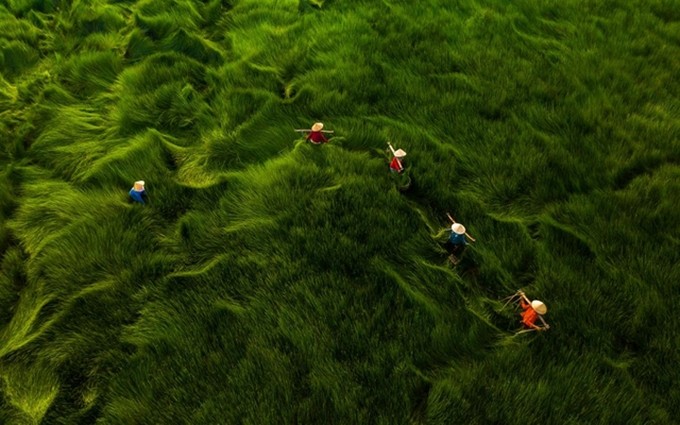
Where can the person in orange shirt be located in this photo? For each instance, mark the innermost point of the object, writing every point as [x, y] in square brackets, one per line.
[533, 311]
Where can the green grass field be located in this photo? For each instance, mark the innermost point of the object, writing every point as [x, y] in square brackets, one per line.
[270, 281]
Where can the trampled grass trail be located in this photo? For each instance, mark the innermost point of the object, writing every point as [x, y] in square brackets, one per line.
[272, 281]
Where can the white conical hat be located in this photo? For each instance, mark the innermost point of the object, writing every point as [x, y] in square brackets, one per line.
[539, 307]
[317, 126]
[399, 153]
[458, 228]
[139, 185]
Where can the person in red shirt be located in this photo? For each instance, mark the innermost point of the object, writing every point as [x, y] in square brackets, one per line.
[316, 136]
[396, 165]
[533, 311]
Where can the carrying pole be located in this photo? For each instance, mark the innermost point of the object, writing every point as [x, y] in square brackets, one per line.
[305, 130]
[510, 299]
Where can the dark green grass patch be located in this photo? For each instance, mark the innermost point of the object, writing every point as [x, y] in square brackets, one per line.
[95, 17]
[89, 73]
[16, 56]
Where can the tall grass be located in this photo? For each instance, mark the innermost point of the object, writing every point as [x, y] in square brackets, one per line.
[268, 280]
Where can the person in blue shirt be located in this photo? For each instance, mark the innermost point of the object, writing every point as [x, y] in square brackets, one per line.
[457, 240]
[137, 193]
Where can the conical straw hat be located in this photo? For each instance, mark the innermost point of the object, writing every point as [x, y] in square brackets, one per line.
[400, 153]
[318, 126]
[458, 228]
[539, 307]
[139, 185]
